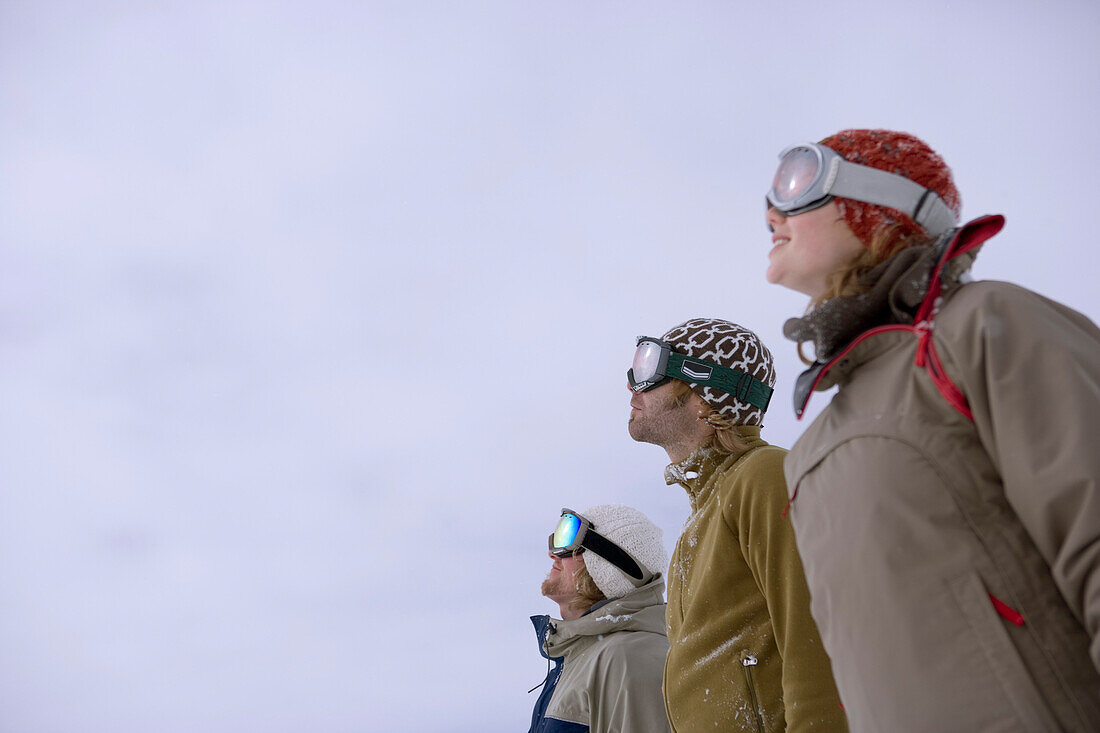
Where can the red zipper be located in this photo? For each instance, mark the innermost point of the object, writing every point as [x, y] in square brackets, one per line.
[1006, 611]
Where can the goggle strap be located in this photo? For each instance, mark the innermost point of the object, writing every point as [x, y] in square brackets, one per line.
[742, 386]
[874, 186]
[933, 215]
[614, 554]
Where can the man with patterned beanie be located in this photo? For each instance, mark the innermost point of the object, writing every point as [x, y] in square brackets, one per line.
[608, 649]
[745, 653]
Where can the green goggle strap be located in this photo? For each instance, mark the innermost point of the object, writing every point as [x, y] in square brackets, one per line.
[743, 386]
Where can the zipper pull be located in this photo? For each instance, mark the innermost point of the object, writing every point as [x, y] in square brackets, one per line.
[747, 660]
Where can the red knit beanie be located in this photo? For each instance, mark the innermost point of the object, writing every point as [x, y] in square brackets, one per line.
[896, 152]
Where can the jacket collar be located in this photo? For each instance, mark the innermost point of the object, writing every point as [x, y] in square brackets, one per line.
[642, 609]
[860, 353]
[901, 289]
[695, 471]
[896, 289]
[544, 626]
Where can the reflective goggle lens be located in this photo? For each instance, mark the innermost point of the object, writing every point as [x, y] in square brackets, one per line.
[797, 172]
[646, 359]
[566, 533]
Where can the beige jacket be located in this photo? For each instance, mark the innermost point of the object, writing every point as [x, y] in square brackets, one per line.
[608, 665]
[745, 654]
[955, 564]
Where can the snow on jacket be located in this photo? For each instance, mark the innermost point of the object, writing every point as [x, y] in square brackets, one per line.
[607, 667]
[954, 563]
[745, 652]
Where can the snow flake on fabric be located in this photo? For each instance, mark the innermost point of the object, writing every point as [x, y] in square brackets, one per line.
[721, 649]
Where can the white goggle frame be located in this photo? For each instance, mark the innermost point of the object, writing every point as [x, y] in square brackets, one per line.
[810, 175]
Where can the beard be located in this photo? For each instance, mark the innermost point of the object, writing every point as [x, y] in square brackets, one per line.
[657, 427]
[555, 587]
[636, 429]
[664, 422]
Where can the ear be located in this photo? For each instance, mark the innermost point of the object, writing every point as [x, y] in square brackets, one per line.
[699, 406]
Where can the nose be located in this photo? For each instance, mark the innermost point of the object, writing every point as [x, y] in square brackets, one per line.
[774, 217]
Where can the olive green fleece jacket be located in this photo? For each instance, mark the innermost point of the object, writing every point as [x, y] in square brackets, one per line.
[745, 653]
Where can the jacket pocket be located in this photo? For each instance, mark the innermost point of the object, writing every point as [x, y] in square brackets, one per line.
[988, 629]
[748, 663]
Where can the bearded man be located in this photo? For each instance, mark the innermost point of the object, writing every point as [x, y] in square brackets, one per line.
[608, 649]
[745, 652]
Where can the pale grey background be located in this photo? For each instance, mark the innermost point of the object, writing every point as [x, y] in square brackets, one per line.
[312, 315]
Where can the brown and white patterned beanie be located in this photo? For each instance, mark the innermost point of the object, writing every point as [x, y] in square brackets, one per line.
[731, 346]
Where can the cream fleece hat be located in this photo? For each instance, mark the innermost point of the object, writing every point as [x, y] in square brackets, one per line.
[631, 530]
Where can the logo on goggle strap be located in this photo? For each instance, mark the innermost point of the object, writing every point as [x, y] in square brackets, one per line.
[696, 371]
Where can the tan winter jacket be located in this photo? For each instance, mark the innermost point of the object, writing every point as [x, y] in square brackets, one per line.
[607, 677]
[955, 564]
[745, 654]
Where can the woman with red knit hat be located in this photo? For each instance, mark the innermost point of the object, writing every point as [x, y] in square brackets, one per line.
[945, 502]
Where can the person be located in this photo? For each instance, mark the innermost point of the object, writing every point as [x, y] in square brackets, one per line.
[744, 651]
[608, 649]
[945, 501]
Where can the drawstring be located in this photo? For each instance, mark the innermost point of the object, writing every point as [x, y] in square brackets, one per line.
[543, 679]
[1006, 611]
[924, 331]
[929, 358]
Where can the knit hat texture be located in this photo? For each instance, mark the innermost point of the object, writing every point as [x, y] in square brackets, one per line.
[730, 345]
[631, 530]
[895, 152]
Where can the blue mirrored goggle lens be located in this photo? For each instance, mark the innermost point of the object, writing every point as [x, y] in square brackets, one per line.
[646, 359]
[797, 172]
[566, 533]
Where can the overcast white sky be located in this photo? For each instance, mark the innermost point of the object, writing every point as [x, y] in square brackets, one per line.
[313, 315]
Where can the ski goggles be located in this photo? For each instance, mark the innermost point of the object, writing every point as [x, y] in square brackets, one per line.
[810, 175]
[575, 534]
[655, 363]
